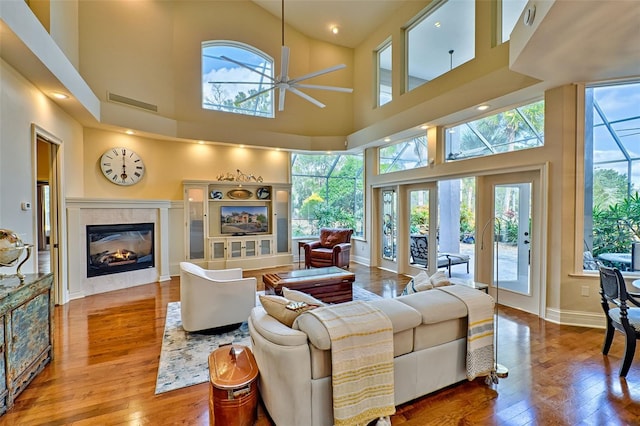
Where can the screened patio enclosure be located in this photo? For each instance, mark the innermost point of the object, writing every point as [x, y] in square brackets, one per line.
[612, 176]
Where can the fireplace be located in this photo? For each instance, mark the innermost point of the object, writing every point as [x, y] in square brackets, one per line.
[119, 248]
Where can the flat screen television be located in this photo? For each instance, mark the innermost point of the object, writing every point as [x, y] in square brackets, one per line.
[244, 220]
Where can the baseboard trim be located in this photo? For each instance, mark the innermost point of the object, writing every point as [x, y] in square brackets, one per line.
[575, 318]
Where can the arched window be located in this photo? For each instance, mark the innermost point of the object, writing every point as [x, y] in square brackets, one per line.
[234, 76]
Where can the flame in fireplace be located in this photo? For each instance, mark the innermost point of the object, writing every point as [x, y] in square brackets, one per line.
[121, 255]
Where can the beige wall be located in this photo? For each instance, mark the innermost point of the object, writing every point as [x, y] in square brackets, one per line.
[169, 163]
[157, 61]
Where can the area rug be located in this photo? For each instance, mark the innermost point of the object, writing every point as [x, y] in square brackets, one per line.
[184, 356]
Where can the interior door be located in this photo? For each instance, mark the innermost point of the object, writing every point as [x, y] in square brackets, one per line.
[512, 235]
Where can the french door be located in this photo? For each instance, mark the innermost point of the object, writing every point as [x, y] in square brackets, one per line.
[511, 237]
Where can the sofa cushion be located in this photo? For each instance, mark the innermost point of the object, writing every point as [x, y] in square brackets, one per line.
[280, 308]
[314, 329]
[274, 331]
[402, 316]
[435, 305]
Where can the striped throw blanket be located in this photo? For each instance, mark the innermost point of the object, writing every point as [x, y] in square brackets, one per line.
[480, 306]
[361, 361]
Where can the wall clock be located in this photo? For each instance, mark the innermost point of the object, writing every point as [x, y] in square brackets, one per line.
[122, 166]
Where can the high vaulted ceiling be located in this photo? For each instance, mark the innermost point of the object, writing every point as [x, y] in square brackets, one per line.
[355, 19]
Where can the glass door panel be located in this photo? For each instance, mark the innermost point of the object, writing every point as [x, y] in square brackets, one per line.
[512, 210]
[389, 212]
[195, 211]
[419, 227]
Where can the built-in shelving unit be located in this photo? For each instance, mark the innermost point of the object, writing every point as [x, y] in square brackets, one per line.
[237, 224]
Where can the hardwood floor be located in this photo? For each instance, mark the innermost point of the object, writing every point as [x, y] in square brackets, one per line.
[107, 349]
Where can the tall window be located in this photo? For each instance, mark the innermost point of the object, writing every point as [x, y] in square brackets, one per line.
[234, 76]
[612, 176]
[513, 130]
[404, 155]
[510, 12]
[442, 39]
[384, 74]
[328, 191]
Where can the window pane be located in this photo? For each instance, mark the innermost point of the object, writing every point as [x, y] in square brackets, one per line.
[384, 75]
[225, 84]
[328, 191]
[511, 10]
[513, 130]
[442, 40]
[404, 155]
[612, 175]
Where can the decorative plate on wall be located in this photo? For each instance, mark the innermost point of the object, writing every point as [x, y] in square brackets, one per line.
[216, 195]
[263, 193]
[239, 194]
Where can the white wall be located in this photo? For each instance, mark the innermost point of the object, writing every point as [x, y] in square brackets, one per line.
[21, 106]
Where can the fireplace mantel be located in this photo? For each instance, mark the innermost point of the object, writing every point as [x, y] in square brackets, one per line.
[96, 211]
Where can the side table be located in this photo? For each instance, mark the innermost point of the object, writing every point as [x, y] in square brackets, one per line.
[301, 244]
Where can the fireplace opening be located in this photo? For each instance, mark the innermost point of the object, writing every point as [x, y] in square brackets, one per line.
[119, 248]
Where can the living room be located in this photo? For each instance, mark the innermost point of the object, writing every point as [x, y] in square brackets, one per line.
[83, 52]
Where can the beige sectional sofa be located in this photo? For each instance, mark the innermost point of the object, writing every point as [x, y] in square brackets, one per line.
[429, 330]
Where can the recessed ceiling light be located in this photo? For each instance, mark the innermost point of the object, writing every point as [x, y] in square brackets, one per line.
[129, 132]
[483, 107]
[59, 95]
[201, 142]
[387, 139]
[241, 146]
[424, 127]
[437, 24]
[277, 149]
[334, 29]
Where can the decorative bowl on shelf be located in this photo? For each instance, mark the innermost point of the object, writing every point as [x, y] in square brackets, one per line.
[239, 194]
[11, 248]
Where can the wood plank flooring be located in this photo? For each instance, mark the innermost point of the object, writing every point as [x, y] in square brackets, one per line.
[107, 349]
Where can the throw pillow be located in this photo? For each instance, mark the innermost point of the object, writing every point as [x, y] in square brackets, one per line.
[283, 309]
[418, 283]
[298, 296]
[439, 279]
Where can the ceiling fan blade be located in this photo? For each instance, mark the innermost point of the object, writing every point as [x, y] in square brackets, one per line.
[239, 82]
[255, 95]
[332, 88]
[247, 67]
[307, 97]
[317, 73]
[284, 64]
[283, 92]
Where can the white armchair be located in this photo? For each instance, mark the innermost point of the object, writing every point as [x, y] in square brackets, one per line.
[214, 298]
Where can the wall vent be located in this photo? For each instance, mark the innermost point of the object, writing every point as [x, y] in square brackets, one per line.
[112, 97]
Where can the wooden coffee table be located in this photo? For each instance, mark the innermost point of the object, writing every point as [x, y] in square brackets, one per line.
[331, 285]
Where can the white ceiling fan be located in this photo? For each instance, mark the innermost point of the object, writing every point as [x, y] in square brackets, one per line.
[283, 83]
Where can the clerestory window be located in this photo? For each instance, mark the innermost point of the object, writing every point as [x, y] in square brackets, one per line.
[440, 40]
[235, 78]
[512, 130]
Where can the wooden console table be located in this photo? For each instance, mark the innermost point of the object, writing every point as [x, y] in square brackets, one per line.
[331, 285]
[26, 333]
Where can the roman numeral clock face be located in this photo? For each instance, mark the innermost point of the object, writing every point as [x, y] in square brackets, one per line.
[122, 166]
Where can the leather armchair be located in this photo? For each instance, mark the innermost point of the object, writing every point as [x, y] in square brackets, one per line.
[214, 298]
[333, 249]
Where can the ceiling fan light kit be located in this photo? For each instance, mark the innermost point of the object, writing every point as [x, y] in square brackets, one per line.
[285, 84]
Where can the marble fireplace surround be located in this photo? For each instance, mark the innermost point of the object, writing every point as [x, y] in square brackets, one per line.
[87, 211]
